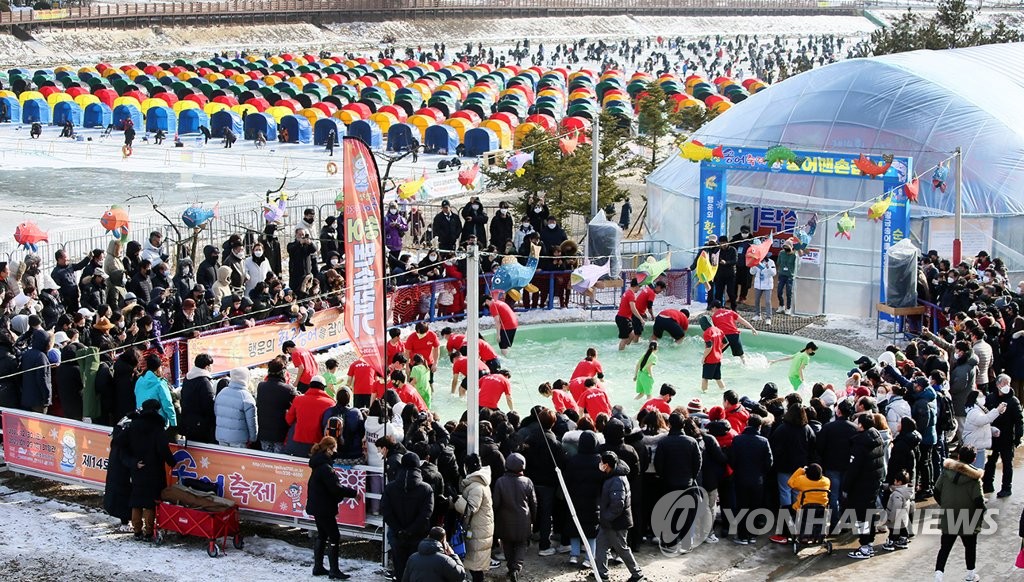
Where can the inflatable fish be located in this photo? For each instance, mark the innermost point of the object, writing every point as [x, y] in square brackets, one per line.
[468, 177]
[115, 221]
[695, 151]
[758, 251]
[705, 270]
[515, 163]
[718, 153]
[568, 145]
[877, 210]
[276, 212]
[586, 276]
[27, 234]
[780, 154]
[911, 189]
[197, 216]
[411, 188]
[845, 225]
[939, 178]
[510, 277]
[650, 269]
[869, 168]
[805, 233]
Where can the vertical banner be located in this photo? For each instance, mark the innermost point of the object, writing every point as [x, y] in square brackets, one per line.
[895, 227]
[711, 214]
[364, 268]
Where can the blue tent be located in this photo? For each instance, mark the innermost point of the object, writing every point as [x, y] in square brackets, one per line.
[35, 110]
[299, 130]
[480, 140]
[190, 120]
[161, 118]
[125, 112]
[441, 139]
[324, 126]
[225, 118]
[13, 108]
[67, 111]
[400, 137]
[264, 122]
[97, 115]
[368, 131]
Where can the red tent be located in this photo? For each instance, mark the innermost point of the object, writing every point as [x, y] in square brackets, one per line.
[76, 91]
[543, 120]
[260, 104]
[468, 115]
[290, 104]
[431, 112]
[398, 112]
[169, 98]
[510, 120]
[107, 96]
[139, 95]
[329, 109]
[197, 98]
[47, 91]
[361, 109]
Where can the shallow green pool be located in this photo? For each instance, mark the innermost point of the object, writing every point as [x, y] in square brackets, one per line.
[544, 353]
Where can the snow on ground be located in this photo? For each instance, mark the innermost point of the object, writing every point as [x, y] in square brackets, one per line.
[46, 540]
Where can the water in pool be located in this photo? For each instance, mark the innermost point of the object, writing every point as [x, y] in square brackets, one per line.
[544, 353]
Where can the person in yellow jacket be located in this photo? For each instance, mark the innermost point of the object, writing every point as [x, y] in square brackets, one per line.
[807, 479]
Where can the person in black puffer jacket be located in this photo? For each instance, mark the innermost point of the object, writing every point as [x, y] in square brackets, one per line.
[406, 507]
[434, 561]
[905, 453]
[274, 397]
[615, 517]
[751, 459]
[543, 454]
[584, 491]
[677, 460]
[198, 421]
[206, 273]
[118, 485]
[68, 380]
[792, 444]
[323, 494]
[126, 372]
[863, 480]
[145, 455]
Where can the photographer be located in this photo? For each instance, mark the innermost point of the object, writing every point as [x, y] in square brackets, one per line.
[301, 258]
[434, 561]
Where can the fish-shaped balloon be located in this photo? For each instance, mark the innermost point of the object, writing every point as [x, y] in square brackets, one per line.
[911, 189]
[468, 177]
[568, 145]
[197, 216]
[411, 188]
[869, 168]
[805, 233]
[695, 151]
[584, 277]
[650, 269]
[939, 177]
[758, 251]
[28, 234]
[510, 276]
[515, 163]
[115, 221]
[705, 270]
[877, 210]
[779, 154]
[276, 212]
[845, 225]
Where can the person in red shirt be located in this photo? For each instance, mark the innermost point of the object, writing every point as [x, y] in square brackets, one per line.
[712, 358]
[305, 366]
[645, 298]
[425, 343]
[492, 386]
[394, 346]
[661, 403]
[674, 322]
[560, 399]
[577, 386]
[460, 365]
[505, 320]
[484, 351]
[628, 319]
[588, 366]
[452, 341]
[735, 414]
[304, 416]
[595, 401]
[407, 393]
[361, 377]
[726, 320]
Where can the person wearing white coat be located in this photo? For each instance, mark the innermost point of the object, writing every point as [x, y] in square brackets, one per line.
[235, 409]
[380, 422]
[978, 426]
[476, 507]
[257, 267]
[764, 280]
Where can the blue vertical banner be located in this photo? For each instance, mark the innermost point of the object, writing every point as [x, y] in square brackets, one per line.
[711, 214]
[895, 225]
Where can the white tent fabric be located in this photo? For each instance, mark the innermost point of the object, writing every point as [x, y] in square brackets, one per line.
[922, 104]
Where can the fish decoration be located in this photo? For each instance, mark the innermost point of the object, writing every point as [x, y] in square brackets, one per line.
[845, 226]
[197, 216]
[568, 145]
[711, 183]
[805, 233]
[705, 270]
[510, 276]
[695, 151]
[779, 154]
[877, 210]
[650, 269]
[517, 162]
[584, 277]
[411, 188]
[468, 177]
[758, 251]
[718, 153]
[115, 221]
[911, 189]
[28, 234]
[939, 177]
[276, 212]
[869, 168]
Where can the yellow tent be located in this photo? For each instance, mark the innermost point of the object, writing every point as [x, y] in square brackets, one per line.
[500, 129]
[186, 75]
[243, 108]
[384, 120]
[83, 100]
[389, 89]
[346, 116]
[56, 98]
[312, 115]
[421, 123]
[26, 95]
[298, 82]
[184, 105]
[151, 102]
[461, 126]
[422, 89]
[278, 112]
[523, 129]
[213, 107]
[126, 101]
[271, 80]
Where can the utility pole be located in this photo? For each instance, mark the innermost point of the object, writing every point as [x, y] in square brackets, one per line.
[472, 349]
[958, 216]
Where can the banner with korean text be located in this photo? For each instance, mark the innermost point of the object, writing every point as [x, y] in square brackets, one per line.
[364, 268]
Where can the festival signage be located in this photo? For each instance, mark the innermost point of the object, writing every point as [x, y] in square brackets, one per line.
[257, 345]
[803, 163]
[364, 268]
[67, 450]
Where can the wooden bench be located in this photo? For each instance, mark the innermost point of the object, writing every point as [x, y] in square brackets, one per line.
[899, 315]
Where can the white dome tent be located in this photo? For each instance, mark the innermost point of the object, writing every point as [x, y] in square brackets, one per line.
[921, 105]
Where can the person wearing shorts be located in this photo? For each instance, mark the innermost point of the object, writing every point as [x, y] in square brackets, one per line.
[674, 322]
[628, 319]
[506, 337]
[505, 320]
[712, 359]
[726, 320]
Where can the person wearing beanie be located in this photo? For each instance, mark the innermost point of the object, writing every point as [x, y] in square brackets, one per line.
[515, 510]
[615, 516]
[235, 408]
[406, 507]
[769, 392]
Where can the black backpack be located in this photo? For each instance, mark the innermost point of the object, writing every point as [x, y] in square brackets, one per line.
[945, 420]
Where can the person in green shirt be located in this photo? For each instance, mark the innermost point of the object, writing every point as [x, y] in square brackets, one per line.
[800, 361]
[419, 376]
[644, 373]
[331, 377]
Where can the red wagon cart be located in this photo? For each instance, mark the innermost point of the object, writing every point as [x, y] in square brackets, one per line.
[210, 525]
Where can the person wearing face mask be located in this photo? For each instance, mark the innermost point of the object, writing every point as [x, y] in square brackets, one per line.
[395, 228]
[538, 214]
[474, 221]
[1009, 429]
[501, 227]
[416, 225]
[786, 264]
[272, 246]
[522, 233]
[301, 258]
[798, 367]
[235, 260]
[141, 285]
[447, 227]
[257, 267]
[744, 277]
[329, 237]
[161, 276]
[430, 266]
